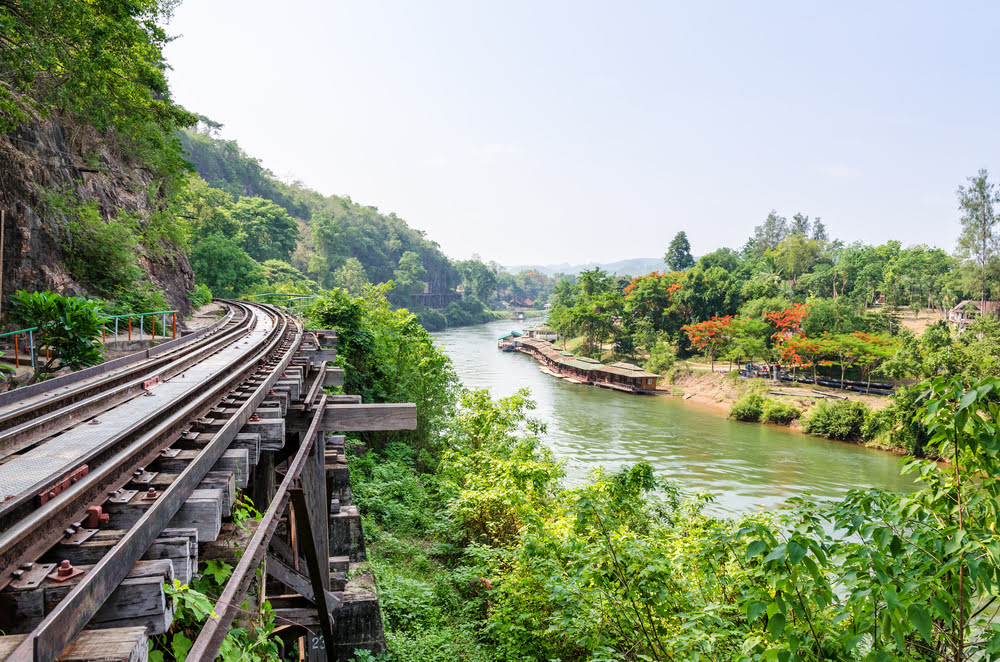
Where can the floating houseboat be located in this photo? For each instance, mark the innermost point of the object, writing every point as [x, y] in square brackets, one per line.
[580, 369]
[506, 343]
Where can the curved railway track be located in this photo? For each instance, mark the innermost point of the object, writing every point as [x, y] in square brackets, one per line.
[65, 448]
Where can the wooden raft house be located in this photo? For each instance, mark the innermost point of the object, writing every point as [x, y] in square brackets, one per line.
[581, 370]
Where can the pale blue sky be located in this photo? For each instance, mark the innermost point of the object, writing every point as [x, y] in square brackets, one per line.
[543, 132]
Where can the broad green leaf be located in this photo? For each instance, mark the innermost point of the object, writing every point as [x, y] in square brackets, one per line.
[755, 610]
[920, 620]
[776, 625]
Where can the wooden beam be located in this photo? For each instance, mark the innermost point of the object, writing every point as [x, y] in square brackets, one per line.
[370, 417]
[334, 377]
[295, 581]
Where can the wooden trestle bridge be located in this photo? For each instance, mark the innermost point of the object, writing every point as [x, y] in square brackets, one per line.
[116, 480]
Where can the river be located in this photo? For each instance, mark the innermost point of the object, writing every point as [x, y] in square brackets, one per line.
[746, 466]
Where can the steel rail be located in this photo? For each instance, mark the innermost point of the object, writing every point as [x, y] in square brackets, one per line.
[71, 615]
[30, 537]
[97, 379]
[19, 505]
[212, 634]
[113, 392]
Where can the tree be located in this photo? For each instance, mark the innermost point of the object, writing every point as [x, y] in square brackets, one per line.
[99, 62]
[711, 336]
[800, 225]
[979, 219]
[479, 279]
[206, 211]
[226, 268]
[678, 257]
[768, 234]
[819, 231]
[796, 255]
[351, 277]
[407, 278]
[69, 330]
[268, 231]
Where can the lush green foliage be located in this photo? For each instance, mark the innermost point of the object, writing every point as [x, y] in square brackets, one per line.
[779, 413]
[748, 407]
[69, 329]
[223, 266]
[201, 296]
[843, 419]
[99, 63]
[389, 357]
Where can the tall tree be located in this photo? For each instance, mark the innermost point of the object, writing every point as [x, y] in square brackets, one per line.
[800, 225]
[269, 233]
[979, 219]
[768, 234]
[678, 257]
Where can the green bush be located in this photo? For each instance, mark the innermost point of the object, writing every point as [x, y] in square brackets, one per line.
[749, 407]
[469, 310]
[139, 297]
[843, 419]
[99, 252]
[895, 425]
[69, 329]
[431, 319]
[780, 413]
[661, 357]
[200, 296]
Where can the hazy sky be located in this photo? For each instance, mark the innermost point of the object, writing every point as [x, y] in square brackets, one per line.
[544, 132]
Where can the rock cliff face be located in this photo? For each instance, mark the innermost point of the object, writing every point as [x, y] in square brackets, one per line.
[47, 156]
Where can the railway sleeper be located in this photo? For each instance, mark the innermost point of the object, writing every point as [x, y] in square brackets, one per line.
[125, 644]
[249, 441]
[279, 400]
[139, 600]
[234, 460]
[177, 545]
[203, 510]
[294, 387]
[271, 432]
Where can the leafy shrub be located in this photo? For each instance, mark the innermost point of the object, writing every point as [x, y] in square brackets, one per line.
[69, 329]
[780, 413]
[431, 319]
[896, 426]
[200, 296]
[661, 357]
[843, 419]
[436, 645]
[469, 310]
[748, 407]
[99, 252]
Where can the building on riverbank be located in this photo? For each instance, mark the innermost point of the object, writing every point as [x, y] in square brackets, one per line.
[580, 369]
[542, 332]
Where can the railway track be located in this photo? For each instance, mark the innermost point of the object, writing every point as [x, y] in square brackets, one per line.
[112, 479]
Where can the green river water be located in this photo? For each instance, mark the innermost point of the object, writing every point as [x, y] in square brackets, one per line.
[745, 465]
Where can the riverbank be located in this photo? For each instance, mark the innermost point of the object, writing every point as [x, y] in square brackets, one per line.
[719, 391]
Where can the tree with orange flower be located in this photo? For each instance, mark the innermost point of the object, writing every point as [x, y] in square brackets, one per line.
[711, 336]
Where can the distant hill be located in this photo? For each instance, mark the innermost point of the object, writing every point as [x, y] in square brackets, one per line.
[632, 267]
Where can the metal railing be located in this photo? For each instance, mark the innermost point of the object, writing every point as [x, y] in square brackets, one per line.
[130, 316]
[31, 345]
[280, 298]
[106, 330]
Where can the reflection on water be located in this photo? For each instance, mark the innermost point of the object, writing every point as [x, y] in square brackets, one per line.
[747, 466]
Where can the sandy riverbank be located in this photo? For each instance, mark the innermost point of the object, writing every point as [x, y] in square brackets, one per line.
[718, 392]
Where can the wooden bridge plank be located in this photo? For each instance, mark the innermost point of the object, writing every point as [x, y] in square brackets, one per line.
[370, 417]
